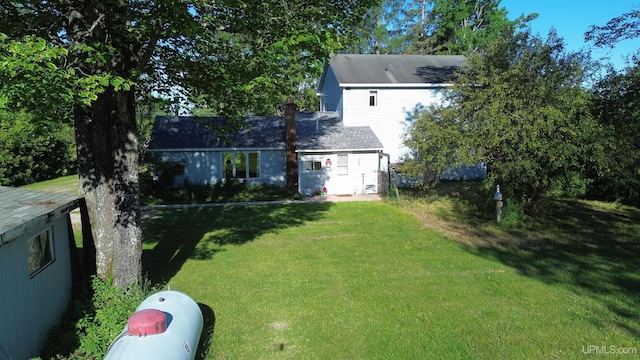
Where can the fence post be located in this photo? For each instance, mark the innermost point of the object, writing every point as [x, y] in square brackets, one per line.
[498, 198]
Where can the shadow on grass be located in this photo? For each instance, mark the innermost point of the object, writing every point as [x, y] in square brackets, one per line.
[208, 329]
[201, 232]
[592, 251]
[589, 248]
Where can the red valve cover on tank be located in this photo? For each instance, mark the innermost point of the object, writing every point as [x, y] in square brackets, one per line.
[147, 322]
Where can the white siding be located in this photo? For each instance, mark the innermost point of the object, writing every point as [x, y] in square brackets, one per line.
[389, 119]
[361, 175]
[364, 169]
[30, 306]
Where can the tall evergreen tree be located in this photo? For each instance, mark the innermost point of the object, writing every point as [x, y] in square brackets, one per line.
[385, 28]
[461, 27]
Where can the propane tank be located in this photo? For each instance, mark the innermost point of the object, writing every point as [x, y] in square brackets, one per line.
[166, 325]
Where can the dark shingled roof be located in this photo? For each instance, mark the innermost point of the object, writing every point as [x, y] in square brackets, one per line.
[187, 132]
[396, 69]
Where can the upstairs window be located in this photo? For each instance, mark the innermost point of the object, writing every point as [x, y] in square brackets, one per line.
[373, 98]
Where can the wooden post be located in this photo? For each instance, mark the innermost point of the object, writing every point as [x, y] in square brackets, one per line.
[498, 198]
[290, 145]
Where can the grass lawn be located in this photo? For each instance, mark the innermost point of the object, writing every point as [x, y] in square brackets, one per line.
[61, 184]
[369, 280]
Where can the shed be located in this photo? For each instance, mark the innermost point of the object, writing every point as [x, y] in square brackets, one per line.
[36, 244]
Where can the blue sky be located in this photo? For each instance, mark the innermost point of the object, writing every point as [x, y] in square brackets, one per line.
[572, 18]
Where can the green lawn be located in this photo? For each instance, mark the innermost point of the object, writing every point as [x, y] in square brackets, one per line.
[367, 280]
[61, 184]
[374, 280]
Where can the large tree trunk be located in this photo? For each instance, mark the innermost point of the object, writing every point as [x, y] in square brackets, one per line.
[107, 143]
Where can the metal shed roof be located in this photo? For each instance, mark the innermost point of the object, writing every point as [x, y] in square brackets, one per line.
[398, 70]
[314, 131]
[24, 209]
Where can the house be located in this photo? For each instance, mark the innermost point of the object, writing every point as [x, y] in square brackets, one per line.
[382, 91]
[328, 155]
[36, 245]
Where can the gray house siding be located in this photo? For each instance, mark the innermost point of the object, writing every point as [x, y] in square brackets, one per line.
[33, 296]
[332, 95]
[272, 165]
[204, 167]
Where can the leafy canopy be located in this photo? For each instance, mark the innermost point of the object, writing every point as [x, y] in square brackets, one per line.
[33, 76]
[616, 105]
[521, 109]
[435, 27]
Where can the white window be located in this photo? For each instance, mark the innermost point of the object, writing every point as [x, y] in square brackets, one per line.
[343, 164]
[40, 251]
[241, 165]
[312, 165]
[373, 98]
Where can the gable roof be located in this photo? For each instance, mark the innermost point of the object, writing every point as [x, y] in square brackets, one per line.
[395, 70]
[262, 132]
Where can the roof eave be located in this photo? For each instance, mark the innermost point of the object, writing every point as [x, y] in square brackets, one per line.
[217, 149]
[396, 85]
[338, 150]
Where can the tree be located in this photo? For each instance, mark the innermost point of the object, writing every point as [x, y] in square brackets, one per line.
[434, 27]
[464, 27]
[617, 108]
[233, 54]
[520, 108]
[623, 27]
[384, 28]
[32, 151]
[616, 105]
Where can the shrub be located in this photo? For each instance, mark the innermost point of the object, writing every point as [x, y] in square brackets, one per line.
[94, 320]
[575, 185]
[232, 190]
[513, 213]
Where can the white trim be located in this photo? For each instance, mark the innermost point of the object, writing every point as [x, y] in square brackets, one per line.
[216, 149]
[338, 150]
[395, 85]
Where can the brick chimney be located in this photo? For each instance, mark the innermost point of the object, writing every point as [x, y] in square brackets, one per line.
[290, 145]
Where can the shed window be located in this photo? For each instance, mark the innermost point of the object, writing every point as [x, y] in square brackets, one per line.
[241, 165]
[373, 98]
[40, 251]
[343, 164]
